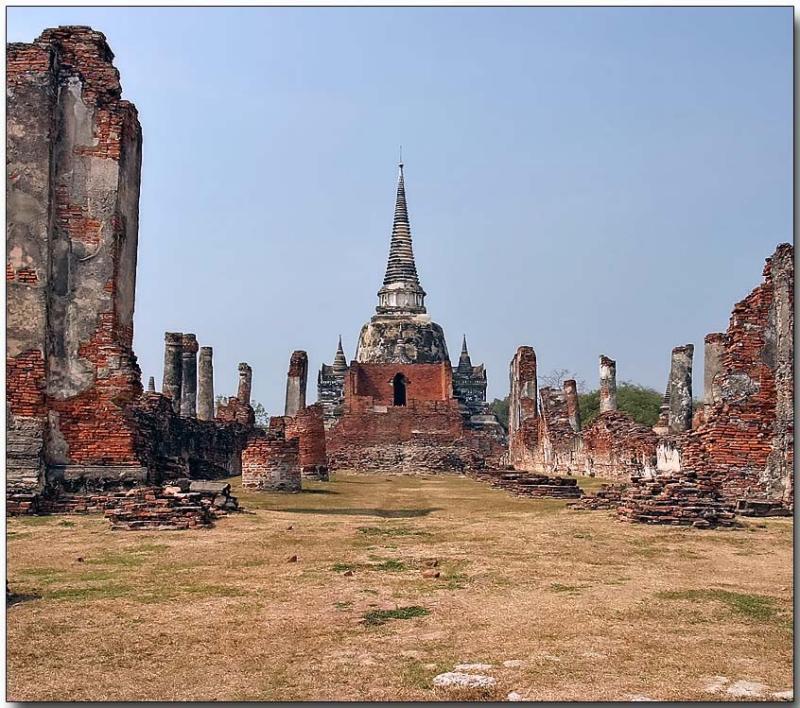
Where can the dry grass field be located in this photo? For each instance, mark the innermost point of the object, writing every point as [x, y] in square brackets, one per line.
[583, 606]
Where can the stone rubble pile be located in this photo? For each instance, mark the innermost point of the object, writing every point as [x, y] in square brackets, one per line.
[181, 504]
[761, 507]
[528, 484]
[608, 496]
[684, 498]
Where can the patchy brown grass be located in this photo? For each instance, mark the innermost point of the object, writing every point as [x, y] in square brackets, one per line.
[595, 609]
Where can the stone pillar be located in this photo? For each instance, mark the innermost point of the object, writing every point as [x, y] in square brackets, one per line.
[205, 384]
[523, 411]
[151, 385]
[296, 383]
[245, 383]
[680, 389]
[712, 365]
[608, 384]
[171, 383]
[573, 406]
[189, 377]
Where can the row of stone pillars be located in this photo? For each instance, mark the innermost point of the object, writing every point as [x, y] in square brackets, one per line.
[189, 379]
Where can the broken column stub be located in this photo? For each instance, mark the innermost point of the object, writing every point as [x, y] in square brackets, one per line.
[245, 383]
[608, 384]
[189, 376]
[573, 406]
[296, 383]
[171, 383]
[680, 389]
[712, 365]
[151, 385]
[205, 384]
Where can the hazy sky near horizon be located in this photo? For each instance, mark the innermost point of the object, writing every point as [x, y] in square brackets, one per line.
[581, 180]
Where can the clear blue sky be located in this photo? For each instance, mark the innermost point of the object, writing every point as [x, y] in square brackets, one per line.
[581, 180]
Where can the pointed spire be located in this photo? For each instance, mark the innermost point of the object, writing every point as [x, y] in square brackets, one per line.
[401, 266]
[340, 361]
[464, 362]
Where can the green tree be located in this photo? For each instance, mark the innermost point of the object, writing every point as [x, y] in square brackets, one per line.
[499, 406]
[639, 402]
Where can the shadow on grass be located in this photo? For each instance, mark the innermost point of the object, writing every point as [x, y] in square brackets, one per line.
[382, 513]
[14, 599]
[318, 491]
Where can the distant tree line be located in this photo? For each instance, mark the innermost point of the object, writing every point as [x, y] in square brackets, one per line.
[639, 402]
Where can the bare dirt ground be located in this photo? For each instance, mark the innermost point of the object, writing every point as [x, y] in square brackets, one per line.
[582, 606]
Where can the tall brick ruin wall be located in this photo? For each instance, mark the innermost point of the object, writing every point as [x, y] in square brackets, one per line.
[560, 444]
[77, 415]
[308, 428]
[74, 160]
[523, 412]
[746, 439]
[616, 447]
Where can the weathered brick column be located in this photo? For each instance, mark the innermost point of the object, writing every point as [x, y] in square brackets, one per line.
[680, 389]
[205, 384]
[151, 385]
[73, 170]
[573, 406]
[171, 382]
[189, 376]
[523, 411]
[608, 384]
[245, 383]
[712, 365]
[296, 383]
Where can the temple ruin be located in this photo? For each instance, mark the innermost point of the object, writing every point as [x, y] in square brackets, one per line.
[79, 421]
[692, 466]
[82, 431]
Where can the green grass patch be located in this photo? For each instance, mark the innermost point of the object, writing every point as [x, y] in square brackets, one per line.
[343, 567]
[98, 592]
[376, 617]
[386, 565]
[129, 558]
[759, 608]
[558, 587]
[391, 566]
[390, 531]
[418, 674]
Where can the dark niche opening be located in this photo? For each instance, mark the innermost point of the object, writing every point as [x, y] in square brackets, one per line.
[399, 383]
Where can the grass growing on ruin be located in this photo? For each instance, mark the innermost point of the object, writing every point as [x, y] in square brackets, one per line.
[586, 607]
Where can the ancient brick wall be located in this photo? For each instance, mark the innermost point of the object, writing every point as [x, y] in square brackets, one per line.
[617, 447]
[74, 156]
[173, 446]
[270, 462]
[523, 412]
[31, 97]
[234, 411]
[309, 429]
[745, 441]
[559, 442]
[424, 382]
[421, 436]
